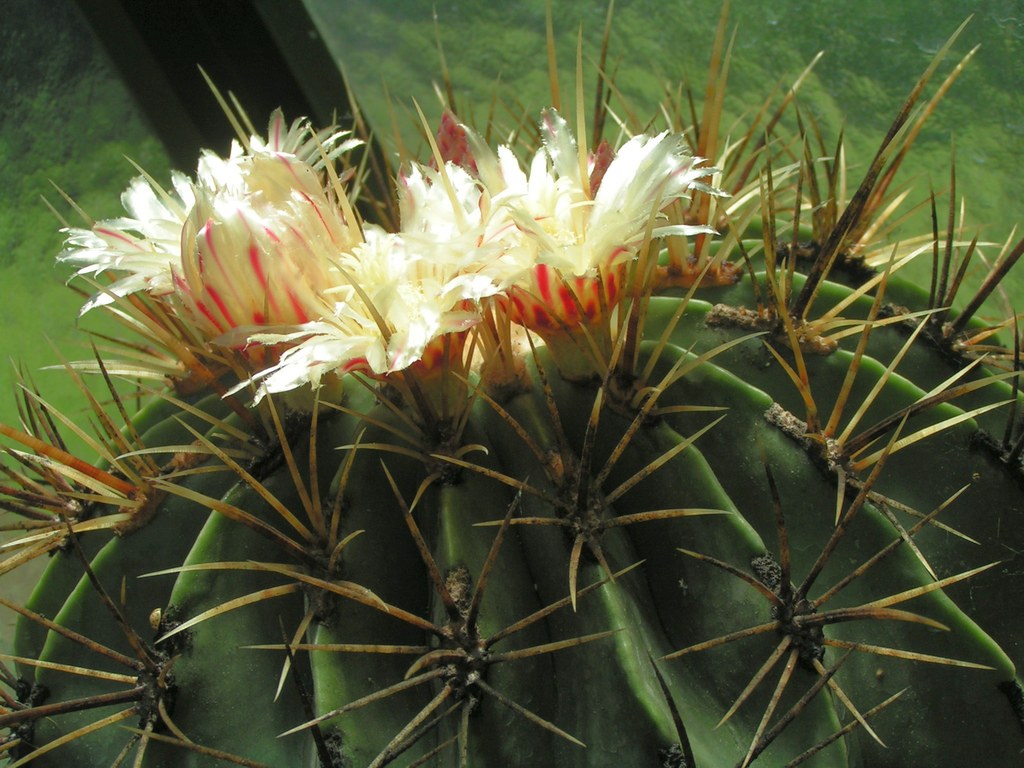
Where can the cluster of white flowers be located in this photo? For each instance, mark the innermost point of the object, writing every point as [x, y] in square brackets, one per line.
[260, 250]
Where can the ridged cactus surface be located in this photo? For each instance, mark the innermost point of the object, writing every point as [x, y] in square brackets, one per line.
[590, 456]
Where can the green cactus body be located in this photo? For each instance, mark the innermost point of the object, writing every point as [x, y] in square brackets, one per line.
[730, 521]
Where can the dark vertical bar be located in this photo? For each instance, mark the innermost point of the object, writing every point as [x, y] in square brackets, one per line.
[158, 46]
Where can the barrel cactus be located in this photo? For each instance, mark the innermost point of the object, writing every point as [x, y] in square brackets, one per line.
[633, 452]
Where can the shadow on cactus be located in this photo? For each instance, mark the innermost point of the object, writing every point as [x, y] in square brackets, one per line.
[589, 450]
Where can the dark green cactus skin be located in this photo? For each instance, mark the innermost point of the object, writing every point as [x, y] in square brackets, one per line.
[616, 693]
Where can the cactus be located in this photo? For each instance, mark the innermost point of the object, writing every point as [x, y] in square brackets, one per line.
[623, 457]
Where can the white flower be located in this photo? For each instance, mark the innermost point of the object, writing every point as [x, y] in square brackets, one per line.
[401, 293]
[576, 230]
[452, 231]
[392, 306]
[411, 300]
[247, 243]
[143, 247]
[258, 244]
[571, 240]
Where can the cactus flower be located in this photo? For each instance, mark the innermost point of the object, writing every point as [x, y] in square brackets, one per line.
[401, 293]
[590, 230]
[576, 229]
[258, 244]
[248, 243]
[141, 248]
